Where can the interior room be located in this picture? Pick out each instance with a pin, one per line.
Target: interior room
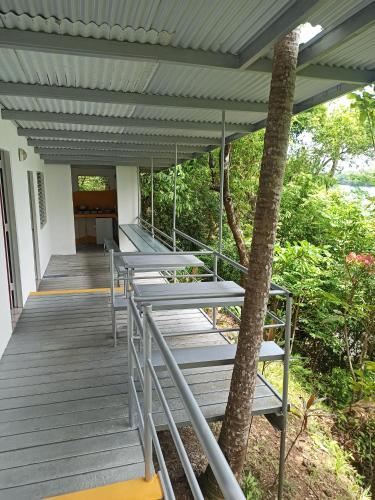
(95, 205)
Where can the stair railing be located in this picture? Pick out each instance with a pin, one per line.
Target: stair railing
(144, 328)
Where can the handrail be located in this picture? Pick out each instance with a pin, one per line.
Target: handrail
(220, 467)
(274, 288)
(223, 473)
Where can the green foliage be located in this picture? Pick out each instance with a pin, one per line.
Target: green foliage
(360, 179)
(364, 102)
(251, 488)
(333, 323)
(92, 183)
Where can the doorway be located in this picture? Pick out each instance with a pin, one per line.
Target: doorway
(9, 235)
(34, 227)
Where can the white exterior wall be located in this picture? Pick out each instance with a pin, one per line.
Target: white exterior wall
(60, 209)
(127, 202)
(11, 142)
(57, 235)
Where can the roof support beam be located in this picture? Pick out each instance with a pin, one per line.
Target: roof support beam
(111, 153)
(80, 160)
(111, 146)
(129, 98)
(111, 49)
(288, 19)
(108, 49)
(344, 31)
(120, 138)
(114, 121)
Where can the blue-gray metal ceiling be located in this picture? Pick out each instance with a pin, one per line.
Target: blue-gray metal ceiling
(202, 56)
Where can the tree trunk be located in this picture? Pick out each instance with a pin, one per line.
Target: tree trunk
(333, 169)
(232, 219)
(229, 207)
(235, 429)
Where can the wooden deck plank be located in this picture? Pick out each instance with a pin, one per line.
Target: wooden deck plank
(64, 388)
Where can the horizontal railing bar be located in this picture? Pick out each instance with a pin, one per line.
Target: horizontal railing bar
(134, 254)
(176, 437)
(269, 326)
(168, 489)
(200, 332)
(274, 288)
(143, 221)
(266, 326)
(191, 276)
(220, 467)
(273, 316)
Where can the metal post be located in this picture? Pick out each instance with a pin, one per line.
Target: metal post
(113, 313)
(139, 194)
(147, 353)
(152, 198)
(130, 361)
(174, 202)
(222, 159)
(288, 322)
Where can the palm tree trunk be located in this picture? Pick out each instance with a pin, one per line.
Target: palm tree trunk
(235, 429)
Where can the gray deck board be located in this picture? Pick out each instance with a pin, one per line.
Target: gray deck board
(64, 388)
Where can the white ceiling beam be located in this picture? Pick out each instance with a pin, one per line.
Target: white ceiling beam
(326, 42)
(126, 153)
(129, 98)
(81, 46)
(112, 49)
(114, 121)
(82, 160)
(73, 145)
(121, 138)
(289, 18)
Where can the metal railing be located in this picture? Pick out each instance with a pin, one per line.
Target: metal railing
(143, 327)
(276, 322)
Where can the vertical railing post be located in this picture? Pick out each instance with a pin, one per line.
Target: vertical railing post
(221, 205)
(147, 350)
(130, 361)
(174, 207)
(152, 198)
(139, 194)
(113, 313)
(174, 201)
(288, 323)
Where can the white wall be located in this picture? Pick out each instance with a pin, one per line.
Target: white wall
(60, 209)
(127, 202)
(11, 142)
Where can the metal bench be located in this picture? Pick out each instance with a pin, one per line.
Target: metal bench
(142, 240)
(195, 357)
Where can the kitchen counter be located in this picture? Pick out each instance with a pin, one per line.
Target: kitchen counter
(96, 216)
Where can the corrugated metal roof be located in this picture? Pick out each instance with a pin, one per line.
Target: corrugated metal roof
(217, 26)
(330, 12)
(118, 130)
(358, 52)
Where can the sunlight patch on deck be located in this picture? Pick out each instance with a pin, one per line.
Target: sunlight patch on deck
(134, 489)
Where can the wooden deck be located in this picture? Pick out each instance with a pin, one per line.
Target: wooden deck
(64, 387)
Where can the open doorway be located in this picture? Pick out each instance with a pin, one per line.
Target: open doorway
(9, 235)
(95, 205)
(34, 227)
